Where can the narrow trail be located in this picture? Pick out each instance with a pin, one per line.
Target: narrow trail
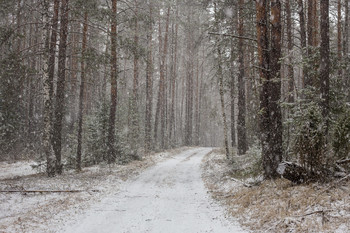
(166, 198)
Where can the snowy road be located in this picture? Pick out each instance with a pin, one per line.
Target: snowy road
(166, 198)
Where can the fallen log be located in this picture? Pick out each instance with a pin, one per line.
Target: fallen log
(293, 172)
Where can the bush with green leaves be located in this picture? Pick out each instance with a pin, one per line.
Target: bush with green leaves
(341, 138)
(12, 121)
(95, 136)
(310, 138)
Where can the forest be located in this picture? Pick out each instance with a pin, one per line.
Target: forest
(265, 83)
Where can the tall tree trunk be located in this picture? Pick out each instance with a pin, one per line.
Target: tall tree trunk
(290, 51)
(19, 21)
(275, 90)
(241, 127)
(52, 52)
(134, 132)
(81, 92)
(160, 111)
(47, 147)
(339, 38)
(264, 63)
(325, 61)
(302, 36)
(221, 87)
(346, 49)
(174, 76)
(149, 84)
(310, 38)
(196, 105)
(315, 24)
(161, 80)
(164, 73)
(75, 28)
(232, 86)
(114, 87)
(59, 111)
(222, 101)
(189, 80)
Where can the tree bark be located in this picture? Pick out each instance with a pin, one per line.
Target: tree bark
(149, 84)
(134, 131)
(114, 87)
(189, 80)
(221, 87)
(47, 147)
(275, 90)
(172, 128)
(290, 51)
(60, 98)
(346, 29)
(264, 64)
(52, 52)
(325, 59)
(302, 37)
(339, 38)
(81, 92)
(161, 80)
(241, 126)
(310, 39)
(163, 71)
(222, 102)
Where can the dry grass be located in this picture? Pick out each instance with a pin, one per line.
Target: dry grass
(279, 206)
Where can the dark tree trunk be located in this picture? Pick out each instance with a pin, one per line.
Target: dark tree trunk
(149, 85)
(275, 89)
(114, 87)
(232, 96)
(221, 87)
(172, 128)
(290, 50)
(264, 65)
(163, 71)
(47, 147)
(325, 60)
(52, 52)
(302, 36)
(160, 90)
(241, 127)
(310, 39)
(60, 99)
(81, 93)
(339, 39)
(189, 81)
(346, 49)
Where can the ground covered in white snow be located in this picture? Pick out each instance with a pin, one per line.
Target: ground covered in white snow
(169, 197)
(47, 212)
(278, 206)
(138, 197)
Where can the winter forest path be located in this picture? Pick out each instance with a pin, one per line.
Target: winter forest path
(168, 197)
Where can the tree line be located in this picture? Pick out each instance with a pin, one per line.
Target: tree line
(85, 82)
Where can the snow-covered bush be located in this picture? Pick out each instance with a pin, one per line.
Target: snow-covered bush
(95, 136)
(310, 138)
(341, 138)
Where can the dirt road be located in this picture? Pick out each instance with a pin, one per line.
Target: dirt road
(166, 198)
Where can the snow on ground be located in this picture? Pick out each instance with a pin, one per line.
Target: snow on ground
(138, 197)
(169, 197)
(45, 212)
(278, 206)
(15, 169)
